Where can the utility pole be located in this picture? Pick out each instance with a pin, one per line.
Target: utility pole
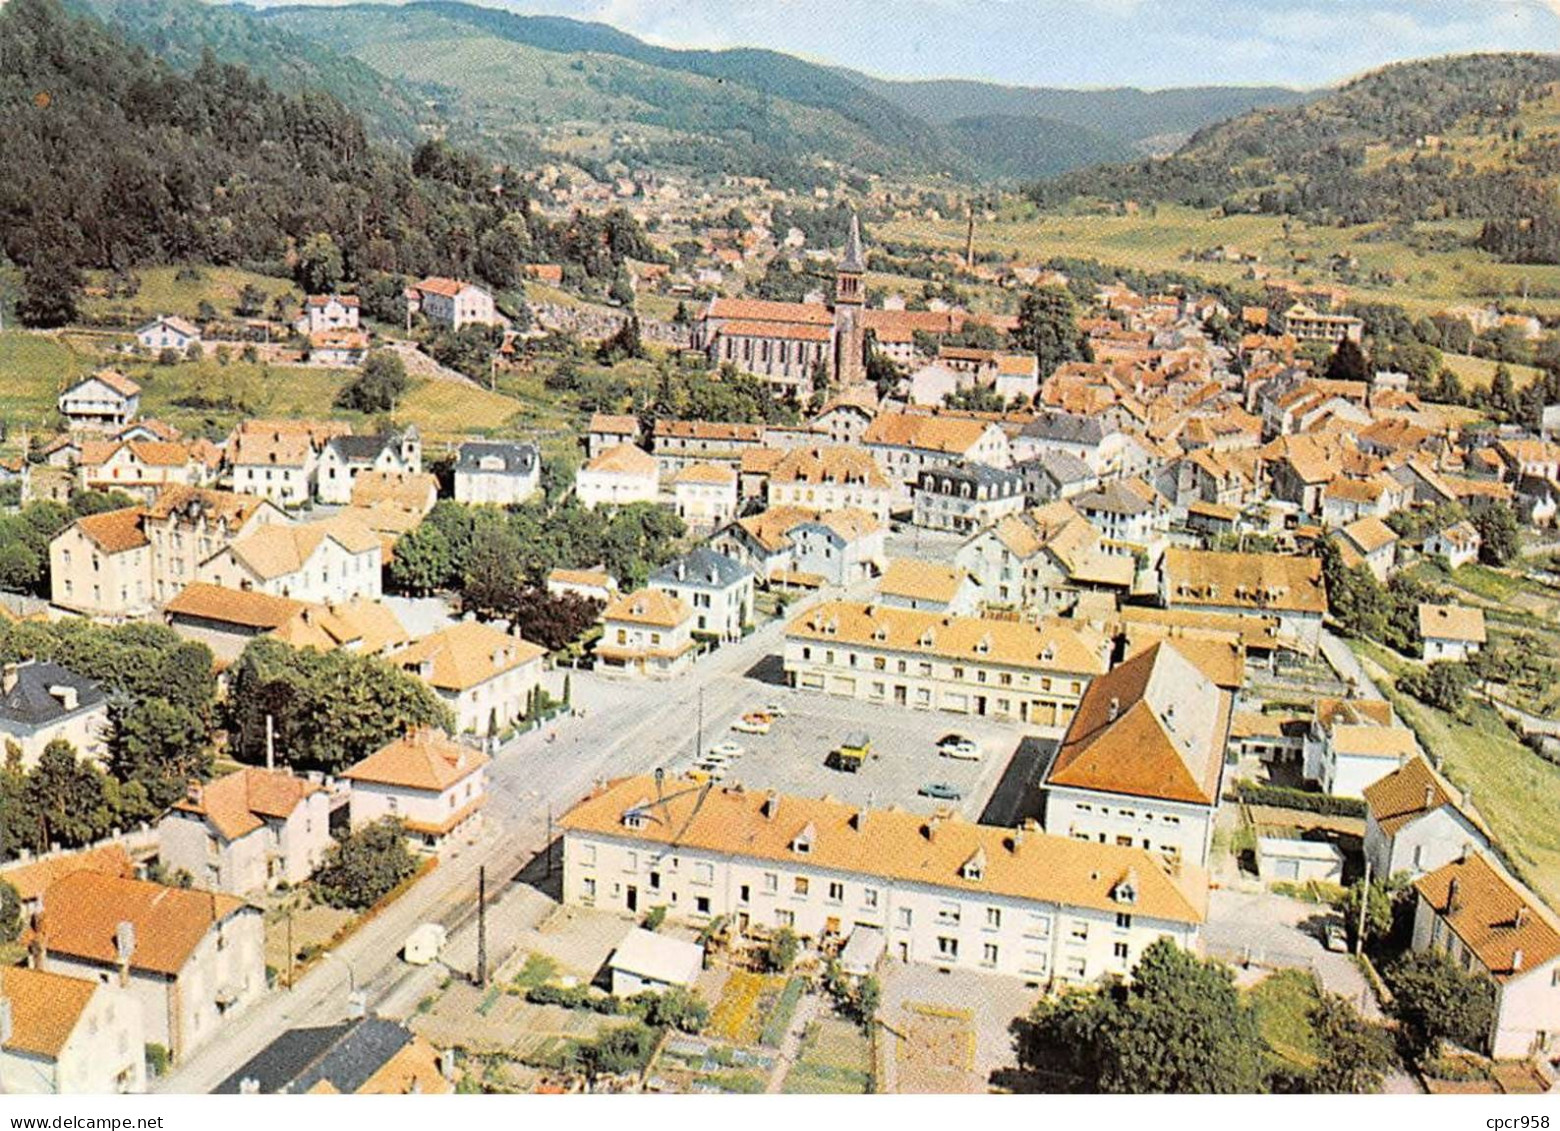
(290, 951)
(482, 927)
(547, 848)
(270, 742)
(698, 740)
(1359, 936)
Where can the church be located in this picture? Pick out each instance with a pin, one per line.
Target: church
(783, 342)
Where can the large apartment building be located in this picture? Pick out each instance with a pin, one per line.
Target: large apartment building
(940, 889)
(1033, 673)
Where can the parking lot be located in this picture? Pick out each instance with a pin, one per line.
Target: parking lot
(904, 757)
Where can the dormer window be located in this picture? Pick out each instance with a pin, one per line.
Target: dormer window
(983, 645)
(975, 867)
(928, 638)
(1125, 890)
(634, 817)
(802, 842)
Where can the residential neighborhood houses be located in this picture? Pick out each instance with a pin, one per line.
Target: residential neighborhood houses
(726, 647)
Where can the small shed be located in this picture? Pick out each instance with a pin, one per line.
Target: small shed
(862, 951)
(1298, 861)
(424, 944)
(647, 962)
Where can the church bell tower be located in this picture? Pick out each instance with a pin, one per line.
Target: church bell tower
(850, 340)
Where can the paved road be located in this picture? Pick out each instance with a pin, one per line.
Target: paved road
(628, 728)
(1341, 658)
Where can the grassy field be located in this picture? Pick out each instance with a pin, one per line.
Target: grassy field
(1158, 239)
(162, 292)
(1513, 790)
(34, 370)
(1282, 1002)
(1479, 370)
(836, 1059)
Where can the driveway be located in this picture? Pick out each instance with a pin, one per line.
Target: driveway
(1272, 930)
(1341, 658)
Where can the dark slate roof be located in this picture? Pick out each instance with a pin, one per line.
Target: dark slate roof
(347, 1055)
(519, 459)
(1066, 427)
(30, 703)
(853, 260)
(1064, 467)
(703, 568)
(977, 473)
(361, 449)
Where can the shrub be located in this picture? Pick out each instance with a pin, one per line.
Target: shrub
(366, 867)
(1282, 797)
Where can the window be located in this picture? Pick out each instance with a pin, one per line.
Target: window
(1120, 951)
(1080, 930)
(993, 917)
(588, 888)
(836, 892)
(784, 918)
(701, 904)
(771, 882)
(631, 862)
(869, 898)
(703, 873)
(743, 893)
(801, 885)
(1077, 967)
(1038, 926)
(948, 912)
(988, 954)
(1123, 921)
(905, 918)
(947, 947)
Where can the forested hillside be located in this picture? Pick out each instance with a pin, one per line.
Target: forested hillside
(180, 32)
(1470, 137)
(111, 159)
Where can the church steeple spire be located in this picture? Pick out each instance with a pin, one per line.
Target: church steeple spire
(854, 261)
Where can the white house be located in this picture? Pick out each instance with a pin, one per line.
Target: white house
(192, 960)
(69, 1036)
(106, 399)
(944, 891)
(434, 785)
(1142, 762)
(905, 444)
(501, 472)
(328, 312)
(453, 303)
(343, 458)
(484, 676)
(913, 583)
(966, 497)
(618, 476)
(1413, 824)
(168, 333)
(648, 632)
(827, 478)
(717, 588)
(248, 831)
(1490, 925)
(1451, 632)
(705, 495)
(41, 701)
(331, 561)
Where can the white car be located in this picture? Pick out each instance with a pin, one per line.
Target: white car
(757, 722)
(725, 751)
(959, 747)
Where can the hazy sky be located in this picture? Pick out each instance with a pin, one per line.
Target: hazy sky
(1086, 42)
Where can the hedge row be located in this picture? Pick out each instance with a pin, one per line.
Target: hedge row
(1282, 797)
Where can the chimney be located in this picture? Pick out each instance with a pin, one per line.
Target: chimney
(1516, 960)
(195, 792)
(12, 674)
(124, 947)
(1452, 894)
(771, 805)
(1115, 709)
(1429, 797)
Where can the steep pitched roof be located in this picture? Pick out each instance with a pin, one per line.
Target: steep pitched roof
(45, 1009)
(1256, 581)
(115, 532)
(466, 654)
(1025, 864)
(1409, 792)
(39, 693)
(31, 880)
(1495, 916)
(238, 803)
(83, 911)
(836, 465)
(423, 760)
(1153, 726)
(623, 459)
(648, 606)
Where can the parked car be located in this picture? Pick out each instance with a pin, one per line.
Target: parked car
(755, 722)
(774, 710)
(1334, 937)
(941, 791)
(727, 750)
(957, 746)
(714, 771)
